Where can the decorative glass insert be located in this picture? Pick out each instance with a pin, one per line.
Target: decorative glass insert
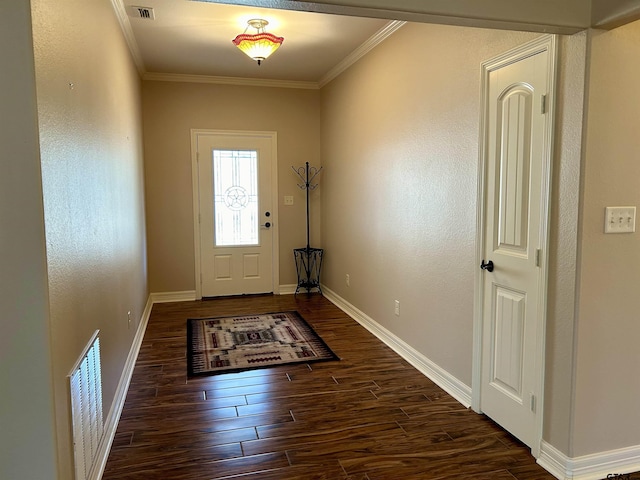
(235, 197)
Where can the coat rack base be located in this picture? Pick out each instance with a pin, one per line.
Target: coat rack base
(308, 266)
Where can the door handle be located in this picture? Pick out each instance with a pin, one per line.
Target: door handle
(487, 266)
(266, 225)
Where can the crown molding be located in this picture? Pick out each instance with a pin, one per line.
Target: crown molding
(375, 40)
(250, 82)
(618, 18)
(353, 57)
(125, 26)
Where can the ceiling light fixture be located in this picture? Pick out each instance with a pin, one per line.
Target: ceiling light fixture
(260, 45)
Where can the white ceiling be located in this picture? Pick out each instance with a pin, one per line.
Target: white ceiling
(190, 38)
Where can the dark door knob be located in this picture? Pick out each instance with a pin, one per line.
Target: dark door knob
(487, 266)
(267, 214)
(267, 225)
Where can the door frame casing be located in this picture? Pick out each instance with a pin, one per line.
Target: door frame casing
(546, 43)
(275, 248)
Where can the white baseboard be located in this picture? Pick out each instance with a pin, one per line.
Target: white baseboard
(166, 297)
(113, 417)
(589, 467)
(435, 373)
(287, 289)
(190, 295)
(554, 461)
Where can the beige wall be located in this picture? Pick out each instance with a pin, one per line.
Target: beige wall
(91, 155)
(171, 110)
(392, 173)
(400, 151)
(27, 421)
(563, 239)
(606, 413)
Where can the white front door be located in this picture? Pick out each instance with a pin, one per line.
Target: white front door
(235, 212)
(514, 238)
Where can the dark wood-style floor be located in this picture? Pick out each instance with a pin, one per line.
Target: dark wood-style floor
(370, 416)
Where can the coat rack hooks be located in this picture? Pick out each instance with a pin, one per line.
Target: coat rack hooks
(307, 174)
(308, 259)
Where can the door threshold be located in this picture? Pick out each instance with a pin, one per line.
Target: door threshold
(240, 295)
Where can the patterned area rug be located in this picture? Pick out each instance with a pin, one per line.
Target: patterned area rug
(232, 344)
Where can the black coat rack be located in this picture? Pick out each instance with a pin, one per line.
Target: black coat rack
(308, 259)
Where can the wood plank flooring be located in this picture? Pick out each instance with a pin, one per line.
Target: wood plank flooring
(369, 416)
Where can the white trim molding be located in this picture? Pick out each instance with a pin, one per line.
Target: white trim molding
(375, 40)
(442, 378)
(113, 417)
(249, 82)
(272, 137)
(372, 42)
(548, 44)
(589, 467)
(167, 297)
(287, 289)
(127, 32)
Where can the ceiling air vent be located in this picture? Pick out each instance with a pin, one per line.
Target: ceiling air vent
(143, 12)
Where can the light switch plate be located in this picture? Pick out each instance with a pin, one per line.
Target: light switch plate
(620, 220)
(288, 199)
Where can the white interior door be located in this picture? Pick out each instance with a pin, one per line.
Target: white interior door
(236, 216)
(517, 147)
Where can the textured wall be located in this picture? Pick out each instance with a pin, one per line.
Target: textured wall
(27, 421)
(563, 238)
(91, 153)
(607, 386)
(400, 149)
(171, 110)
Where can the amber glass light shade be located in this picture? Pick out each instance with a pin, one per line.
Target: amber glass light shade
(260, 45)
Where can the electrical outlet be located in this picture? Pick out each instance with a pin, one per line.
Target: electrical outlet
(288, 199)
(397, 308)
(348, 280)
